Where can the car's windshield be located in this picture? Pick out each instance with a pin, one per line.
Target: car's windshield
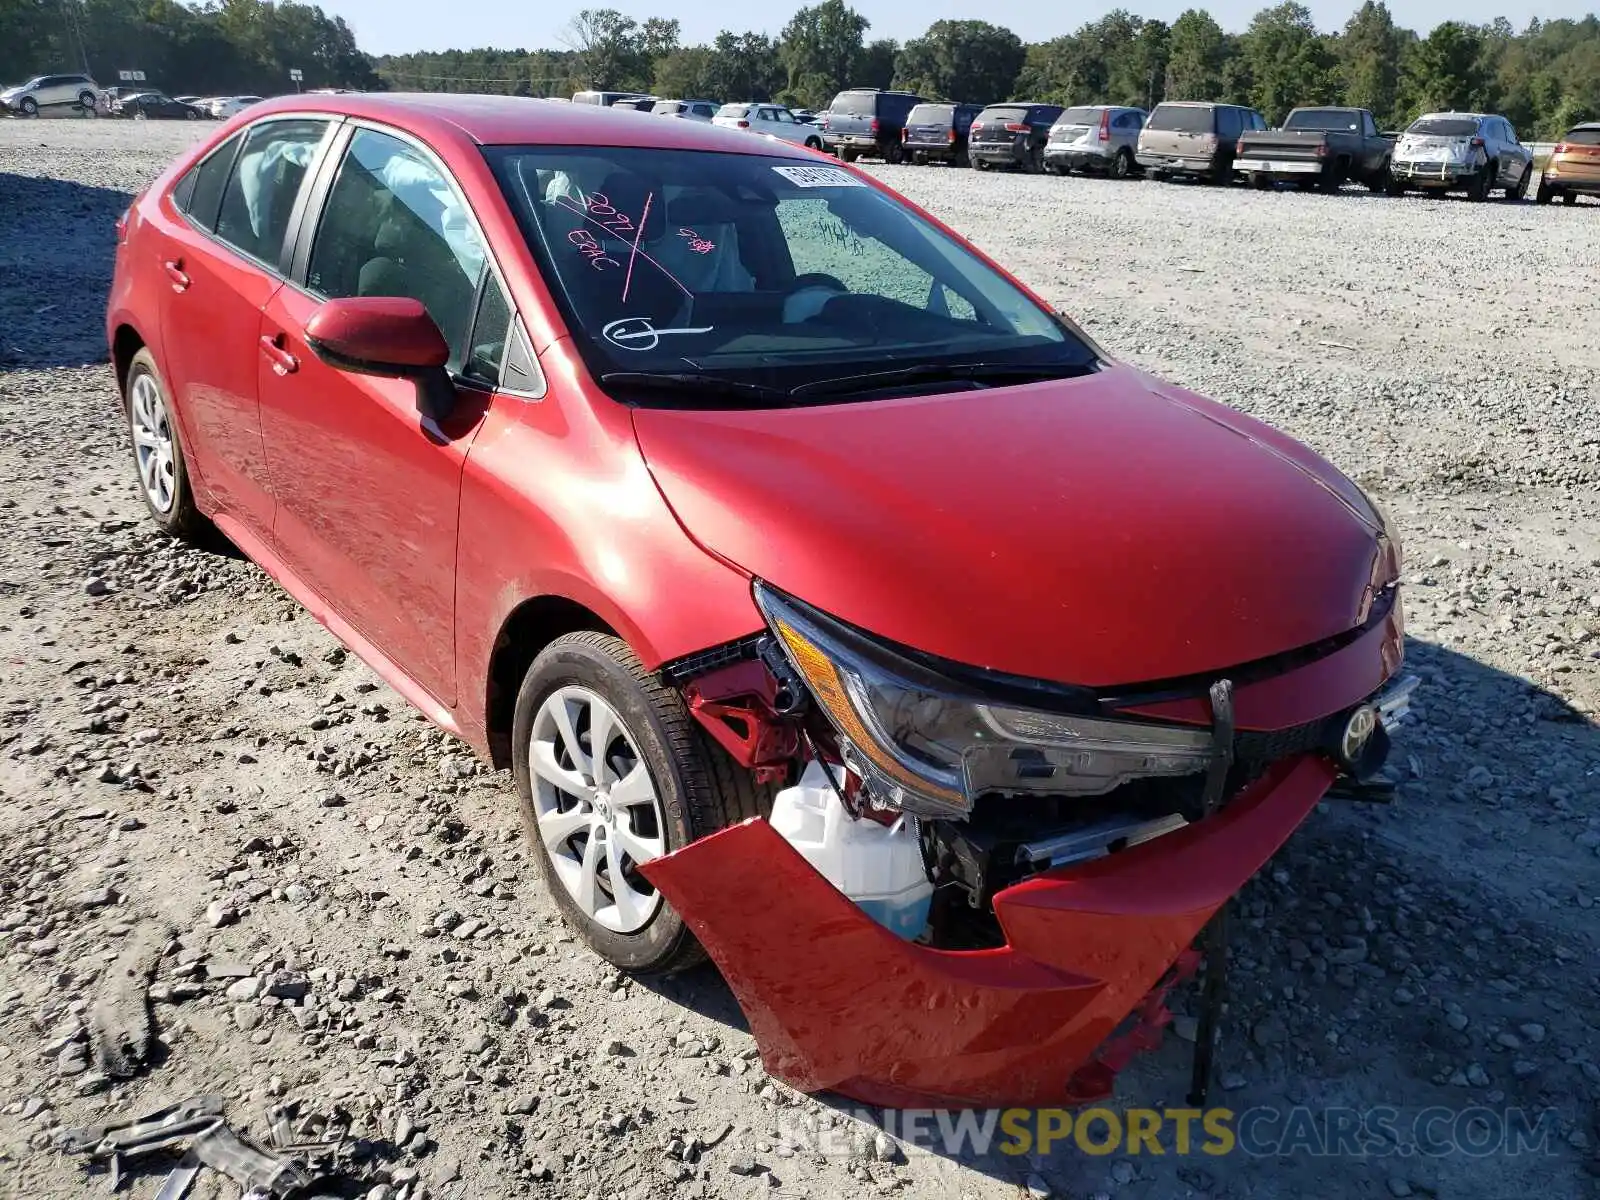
(1181, 118)
(1445, 126)
(757, 269)
(1324, 119)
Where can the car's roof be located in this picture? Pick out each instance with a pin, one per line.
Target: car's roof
(517, 120)
(1440, 116)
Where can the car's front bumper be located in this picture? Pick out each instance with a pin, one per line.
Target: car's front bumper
(1433, 174)
(838, 1003)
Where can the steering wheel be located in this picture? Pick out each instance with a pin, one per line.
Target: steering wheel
(807, 295)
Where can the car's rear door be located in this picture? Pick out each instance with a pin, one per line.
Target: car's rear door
(368, 490)
(222, 250)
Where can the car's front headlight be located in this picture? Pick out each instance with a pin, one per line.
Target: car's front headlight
(930, 737)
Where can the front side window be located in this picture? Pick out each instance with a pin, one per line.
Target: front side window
(395, 226)
(758, 270)
(267, 178)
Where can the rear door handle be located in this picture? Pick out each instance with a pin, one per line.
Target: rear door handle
(175, 272)
(282, 361)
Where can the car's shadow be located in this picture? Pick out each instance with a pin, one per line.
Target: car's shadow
(57, 249)
(1456, 693)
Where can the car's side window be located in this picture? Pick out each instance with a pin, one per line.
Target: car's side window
(486, 353)
(394, 225)
(200, 193)
(267, 177)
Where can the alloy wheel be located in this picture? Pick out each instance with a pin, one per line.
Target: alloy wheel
(596, 807)
(152, 443)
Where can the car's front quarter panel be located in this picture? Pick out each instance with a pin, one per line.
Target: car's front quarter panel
(556, 501)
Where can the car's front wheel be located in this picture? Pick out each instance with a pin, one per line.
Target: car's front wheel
(158, 456)
(613, 771)
(29, 106)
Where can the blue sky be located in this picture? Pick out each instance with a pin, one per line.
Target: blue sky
(396, 26)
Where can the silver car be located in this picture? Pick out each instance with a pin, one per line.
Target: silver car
(1096, 137)
(1470, 152)
(52, 92)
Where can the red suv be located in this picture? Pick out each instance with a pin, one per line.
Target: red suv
(657, 462)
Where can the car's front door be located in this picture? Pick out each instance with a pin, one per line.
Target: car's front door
(368, 490)
(223, 256)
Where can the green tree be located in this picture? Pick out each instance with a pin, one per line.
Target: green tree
(961, 60)
(822, 51)
(1444, 71)
(1197, 53)
(1369, 62)
(1290, 62)
(607, 45)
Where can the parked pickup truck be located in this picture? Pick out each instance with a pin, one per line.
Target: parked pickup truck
(1318, 147)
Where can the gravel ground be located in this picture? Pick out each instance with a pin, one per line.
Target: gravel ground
(355, 933)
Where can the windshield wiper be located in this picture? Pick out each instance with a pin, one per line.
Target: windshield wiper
(978, 372)
(704, 385)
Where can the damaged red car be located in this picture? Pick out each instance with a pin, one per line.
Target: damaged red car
(843, 612)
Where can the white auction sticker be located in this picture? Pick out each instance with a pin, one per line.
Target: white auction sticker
(818, 177)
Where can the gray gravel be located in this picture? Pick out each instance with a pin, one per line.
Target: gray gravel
(358, 935)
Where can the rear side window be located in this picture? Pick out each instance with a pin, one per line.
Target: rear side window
(1582, 137)
(1182, 118)
(395, 226)
(267, 177)
(200, 193)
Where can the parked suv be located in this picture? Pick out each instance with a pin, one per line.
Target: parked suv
(688, 110)
(1574, 166)
(869, 121)
(1195, 140)
(1012, 135)
(1470, 152)
(1096, 137)
(624, 451)
(51, 91)
(774, 120)
(938, 132)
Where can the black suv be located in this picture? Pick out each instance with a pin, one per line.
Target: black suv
(1012, 135)
(869, 121)
(938, 132)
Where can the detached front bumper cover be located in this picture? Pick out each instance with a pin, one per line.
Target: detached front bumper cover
(837, 1003)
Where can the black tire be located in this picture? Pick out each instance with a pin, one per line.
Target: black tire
(1393, 187)
(1478, 189)
(87, 100)
(29, 106)
(1122, 164)
(1378, 181)
(700, 788)
(1518, 191)
(1569, 198)
(1544, 194)
(979, 165)
(1261, 183)
(847, 154)
(191, 115)
(182, 519)
(1159, 176)
(894, 154)
(1331, 180)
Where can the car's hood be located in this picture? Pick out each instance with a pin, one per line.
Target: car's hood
(1100, 531)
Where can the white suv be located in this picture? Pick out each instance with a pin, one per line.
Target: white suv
(52, 91)
(774, 120)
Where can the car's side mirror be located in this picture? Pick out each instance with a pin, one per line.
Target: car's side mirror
(386, 335)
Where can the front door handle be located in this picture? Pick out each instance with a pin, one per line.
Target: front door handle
(176, 273)
(282, 361)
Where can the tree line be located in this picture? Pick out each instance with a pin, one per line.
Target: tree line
(232, 47)
(1544, 78)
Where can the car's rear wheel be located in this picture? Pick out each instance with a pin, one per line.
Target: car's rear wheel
(846, 154)
(190, 114)
(1478, 189)
(1122, 165)
(1519, 190)
(613, 771)
(979, 164)
(1569, 198)
(894, 153)
(158, 456)
(140, 115)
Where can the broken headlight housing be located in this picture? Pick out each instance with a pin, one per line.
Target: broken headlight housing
(929, 737)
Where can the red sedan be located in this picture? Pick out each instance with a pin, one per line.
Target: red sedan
(662, 464)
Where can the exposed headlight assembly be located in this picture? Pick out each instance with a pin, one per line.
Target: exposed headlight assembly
(929, 737)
